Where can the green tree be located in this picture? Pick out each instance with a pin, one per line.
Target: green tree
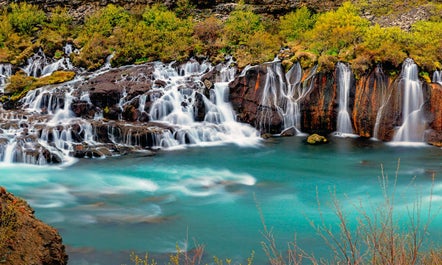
(25, 17)
(240, 25)
(294, 24)
(337, 30)
(425, 45)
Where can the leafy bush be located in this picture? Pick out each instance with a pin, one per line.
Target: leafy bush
(293, 25)
(384, 45)
(24, 17)
(425, 45)
(260, 47)
(207, 34)
(104, 21)
(240, 25)
(336, 30)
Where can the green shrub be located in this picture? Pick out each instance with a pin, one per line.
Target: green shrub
(294, 24)
(260, 47)
(104, 21)
(240, 25)
(61, 22)
(174, 35)
(25, 17)
(207, 34)
(335, 30)
(384, 45)
(94, 52)
(425, 45)
(20, 83)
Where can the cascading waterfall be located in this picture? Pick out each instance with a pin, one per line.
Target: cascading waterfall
(175, 105)
(437, 77)
(39, 65)
(178, 106)
(282, 95)
(344, 78)
(5, 73)
(383, 99)
(296, 92)
(413, 123)
(272, 97)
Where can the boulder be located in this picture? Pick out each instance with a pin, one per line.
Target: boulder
(315, 139)
(23, 238)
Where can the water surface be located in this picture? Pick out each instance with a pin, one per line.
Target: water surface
(105, 208)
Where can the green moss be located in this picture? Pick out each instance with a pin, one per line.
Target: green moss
(316, 139)
(20, 83)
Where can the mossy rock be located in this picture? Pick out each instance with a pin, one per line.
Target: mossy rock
(316, 139)
(20, 83)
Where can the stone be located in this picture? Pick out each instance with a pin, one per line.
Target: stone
(25, 239)
(315, 139)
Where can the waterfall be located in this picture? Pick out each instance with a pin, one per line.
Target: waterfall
(383, 99)
(413, 123)
(271, 103)
(437, 77)
(39, 65)
(282, 96)
(9, 153)
(5, 73)
(177, 106)
(296, 92)
(344, 79)
(179, 101)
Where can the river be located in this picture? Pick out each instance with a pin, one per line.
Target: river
(106, 208)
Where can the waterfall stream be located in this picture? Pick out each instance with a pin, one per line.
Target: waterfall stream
(176, 106)
(437, 77)
(413, 123)
(344, 122)
(5, 73)
(283, 94)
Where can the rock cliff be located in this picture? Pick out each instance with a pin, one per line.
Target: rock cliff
(376, 102)
(80, 8)
(25, 239)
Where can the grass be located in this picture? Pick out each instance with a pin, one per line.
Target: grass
(8, 227)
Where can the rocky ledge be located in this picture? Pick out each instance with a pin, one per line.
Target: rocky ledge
(23, 238)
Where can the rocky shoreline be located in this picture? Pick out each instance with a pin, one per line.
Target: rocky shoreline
(24, 238)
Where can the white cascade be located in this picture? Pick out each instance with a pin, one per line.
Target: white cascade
(437, 77)
(413, 122)
(296, 92)
(5, 73)
(176, 104)
(39, 65)
(9, 153)
(177, 111)
(384, 96)
(343, 125)
(272, 98)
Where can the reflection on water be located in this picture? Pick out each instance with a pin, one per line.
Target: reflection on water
(106, 208)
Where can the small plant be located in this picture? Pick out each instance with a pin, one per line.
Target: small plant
(8, 227)
(376, 240)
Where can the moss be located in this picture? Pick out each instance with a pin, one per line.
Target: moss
(20, 83)
(316, 139)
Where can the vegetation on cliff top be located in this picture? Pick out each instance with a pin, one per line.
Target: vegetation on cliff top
(156, 33)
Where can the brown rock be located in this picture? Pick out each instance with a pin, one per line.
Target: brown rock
(25, 239)
(372, 93)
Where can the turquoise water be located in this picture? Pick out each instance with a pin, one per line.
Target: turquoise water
(105, 208)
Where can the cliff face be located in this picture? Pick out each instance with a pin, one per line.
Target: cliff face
(80, 8)
(25, 239)
(376, 102)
